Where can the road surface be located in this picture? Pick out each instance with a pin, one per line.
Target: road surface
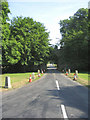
(52, 96)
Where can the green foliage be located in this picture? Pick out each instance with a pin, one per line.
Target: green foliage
(89, 39)
(5, 29)
(24, 42)
(32, 40)
(53, 54)
(74, 43)
(5, 11)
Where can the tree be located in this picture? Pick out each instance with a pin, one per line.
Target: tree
(75, 40)
(30, 44)
(53, 54)
(88, 40)
(5, 30)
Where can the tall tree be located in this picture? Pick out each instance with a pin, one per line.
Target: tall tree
(75, 40)
(27, 44)
(5, 30)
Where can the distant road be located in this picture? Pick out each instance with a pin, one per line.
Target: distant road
(52, 96)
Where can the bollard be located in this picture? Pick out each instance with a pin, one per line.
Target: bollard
(74, 77)
(76, 72)
(33, 75)
(8, 82)
(69, 71)
(30, 80)
(66, 72)
(38, 71)
(42, 71)
(39, 75)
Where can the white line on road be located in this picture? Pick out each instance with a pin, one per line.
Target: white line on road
(57, 85)
(64, 111)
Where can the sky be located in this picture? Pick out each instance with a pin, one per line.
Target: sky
(48, 12)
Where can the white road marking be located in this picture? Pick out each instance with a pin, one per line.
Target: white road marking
(57, 85)
(64, 111)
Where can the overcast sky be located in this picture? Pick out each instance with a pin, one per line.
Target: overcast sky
(48, 12)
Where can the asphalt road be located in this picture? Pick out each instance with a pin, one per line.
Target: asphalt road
(52, 96)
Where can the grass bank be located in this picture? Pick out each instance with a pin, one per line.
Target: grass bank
(17, 79)
(83, 78)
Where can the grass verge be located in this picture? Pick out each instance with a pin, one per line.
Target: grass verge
(83, 78)
(17, 80)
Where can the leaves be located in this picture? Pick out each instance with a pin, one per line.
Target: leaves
(74, 43)
(24, 42)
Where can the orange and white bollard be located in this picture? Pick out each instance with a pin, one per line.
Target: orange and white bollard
(74, 77)
(66, 73)
(39, 75)
(42, 71)
(30, 80)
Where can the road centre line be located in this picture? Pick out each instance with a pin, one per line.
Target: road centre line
(64, 111)
(57, 85)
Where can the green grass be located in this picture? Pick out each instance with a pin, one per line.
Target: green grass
(82, 78)
(18, 79)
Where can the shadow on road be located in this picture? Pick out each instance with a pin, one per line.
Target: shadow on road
(70, 97)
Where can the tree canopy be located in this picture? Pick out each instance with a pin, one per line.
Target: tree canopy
(4, 25)
(74, 42)
(24, 42)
